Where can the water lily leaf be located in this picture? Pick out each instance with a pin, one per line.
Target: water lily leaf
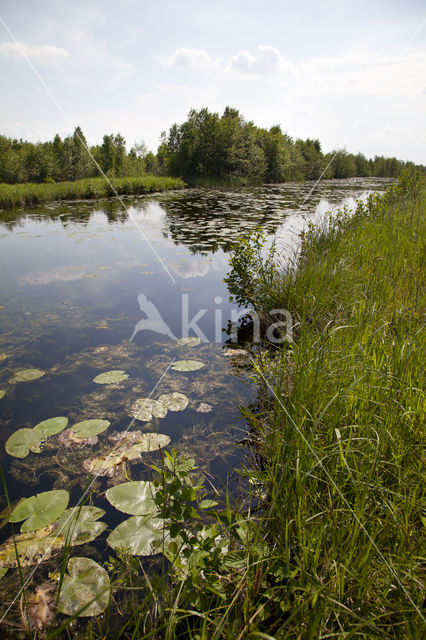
(31, 547)
(20, 443)
(79, 525)
(26, 375)
(40, 510)
(173, 401)
(68, 439)
(145, 408)
(190, 341)
(109, 465)
(85, 589)
(2, 393)
(88, 428)
(135, 498)
(3, 570)
(138, 536)
(111, 377)
(52, 426)
(186, 365)
(3, 356)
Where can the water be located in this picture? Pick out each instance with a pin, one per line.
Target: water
(71, 275)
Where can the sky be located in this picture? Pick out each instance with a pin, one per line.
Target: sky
(351, 73)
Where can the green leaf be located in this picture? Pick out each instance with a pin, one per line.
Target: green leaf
(173, 401)
(40, 510)
(31, 548)
(3, 570)
(135, 498)
(20, 443)
(85, 589)
(208, 504)
(78, 525)
(138, 536)
(111, 377)
(88, 428)
(25, 375)
(145, 408)
(52, 426)
(2, 393)
(187, 365)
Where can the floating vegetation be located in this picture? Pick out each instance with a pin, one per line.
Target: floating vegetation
(52, 426)
(111, 377)
(135, 498)
(40, 510)
(128, 451)
(138, 536)
(204, 407)
(173, 401)
(87, 428)
(20, 443)
(26, 375)
(31, 548)
(187, 365)
(3, 356)
(68, 439)
(2, 393)
(85, 589)
(79, 525)
(145, 409)
(234, 352)
(190, 341)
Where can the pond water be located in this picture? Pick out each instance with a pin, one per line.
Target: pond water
(89, 287)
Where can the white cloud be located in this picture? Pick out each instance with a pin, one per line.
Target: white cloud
(40, 54)
(184, 58)
(267, 60)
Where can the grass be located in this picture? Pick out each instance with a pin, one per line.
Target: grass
(26, 194)
(341, 438)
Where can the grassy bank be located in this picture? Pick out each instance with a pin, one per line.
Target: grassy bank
(26, 194)
(341, 438)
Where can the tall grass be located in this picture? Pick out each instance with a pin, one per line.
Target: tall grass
(26, 194)
(342, 435)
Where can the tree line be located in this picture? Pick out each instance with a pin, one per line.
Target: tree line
(206, 147)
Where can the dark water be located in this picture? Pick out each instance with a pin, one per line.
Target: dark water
(70, 279)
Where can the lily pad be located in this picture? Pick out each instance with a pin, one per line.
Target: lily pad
(88, 428)
(187, 365)
(173, 401)
(31, 548)
(79, 525)
(109, 465)
(190, 341)
(52, 426)
(68, 439)
(135, 498)
(145, 408)
(111, 377)
(40, 510)
(138, 536)
(3, 570)
(204, 407)
(20, 443)
(85, 589)
(2, 393)
(26, 375)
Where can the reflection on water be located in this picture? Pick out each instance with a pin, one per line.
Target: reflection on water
(70, 279)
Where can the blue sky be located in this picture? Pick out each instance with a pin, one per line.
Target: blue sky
(350, 73)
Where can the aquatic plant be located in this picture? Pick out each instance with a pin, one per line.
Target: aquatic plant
(87, 428)
(111, 377)
(85, 590)
(190, 341)
(22, 441)
(138, 536)
(26, 375)
(187, 365)
(52, 426)
(135, 498)
(40, 510)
